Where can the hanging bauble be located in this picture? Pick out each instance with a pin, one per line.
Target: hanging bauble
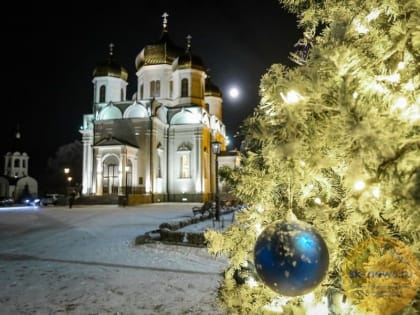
(291, 257)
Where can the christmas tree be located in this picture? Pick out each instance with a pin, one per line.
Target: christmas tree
(332, 157)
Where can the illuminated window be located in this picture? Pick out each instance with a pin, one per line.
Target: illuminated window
(184, 88)
(102, 91)
(185, 166)
(155, 88)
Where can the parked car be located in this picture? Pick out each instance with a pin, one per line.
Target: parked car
(51, 199)
(31, 201)
(6, 201)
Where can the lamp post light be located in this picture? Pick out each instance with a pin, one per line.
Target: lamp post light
(215, 147)
(68, 177)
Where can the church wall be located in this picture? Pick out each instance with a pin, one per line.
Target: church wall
(195, 86)
(113, 88)
(215, 106)
(206, 164)
(184, 140)
(162, 73)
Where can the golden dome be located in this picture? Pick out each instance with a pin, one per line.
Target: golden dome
(164, 51)
(188, 60)
(110, 68)
(211, 89)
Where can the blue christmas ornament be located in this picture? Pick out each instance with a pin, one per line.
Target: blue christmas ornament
(291, 257)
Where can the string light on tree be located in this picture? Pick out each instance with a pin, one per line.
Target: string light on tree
(291, 97)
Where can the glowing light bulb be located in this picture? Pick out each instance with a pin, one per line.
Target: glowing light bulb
(409, 86)
(411, 114)
(251, 282)
(258, 228)
(359, 185)
(376, 192)
(373, 15)
(400, 103)
(392, 78)
(291, 97)
(260, 208)
(360, 28)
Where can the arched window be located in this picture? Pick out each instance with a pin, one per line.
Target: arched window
(155, 88)
(102, 91)
(184, 88)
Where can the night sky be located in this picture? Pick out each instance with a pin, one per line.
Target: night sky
(50, 52)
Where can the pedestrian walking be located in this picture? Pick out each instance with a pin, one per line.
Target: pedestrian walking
(71, 199)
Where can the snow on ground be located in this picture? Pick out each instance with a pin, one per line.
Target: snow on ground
(83, 261)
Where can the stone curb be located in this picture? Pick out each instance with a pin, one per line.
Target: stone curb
(168, 232)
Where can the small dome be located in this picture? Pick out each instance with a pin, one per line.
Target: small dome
(189, 61)
(211, 89)
(110, 68)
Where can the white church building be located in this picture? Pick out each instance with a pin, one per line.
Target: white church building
(157, 144)
(15, 182)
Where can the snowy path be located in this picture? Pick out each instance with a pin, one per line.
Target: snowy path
(83, 261)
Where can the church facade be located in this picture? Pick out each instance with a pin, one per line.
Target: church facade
(157, 145)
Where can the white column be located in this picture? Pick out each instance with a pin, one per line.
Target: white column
(87, 171)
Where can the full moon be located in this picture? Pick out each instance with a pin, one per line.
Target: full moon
(234, 92)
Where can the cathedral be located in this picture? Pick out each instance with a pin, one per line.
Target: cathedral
(157, 144)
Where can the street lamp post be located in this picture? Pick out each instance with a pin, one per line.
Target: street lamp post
(215, 147)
